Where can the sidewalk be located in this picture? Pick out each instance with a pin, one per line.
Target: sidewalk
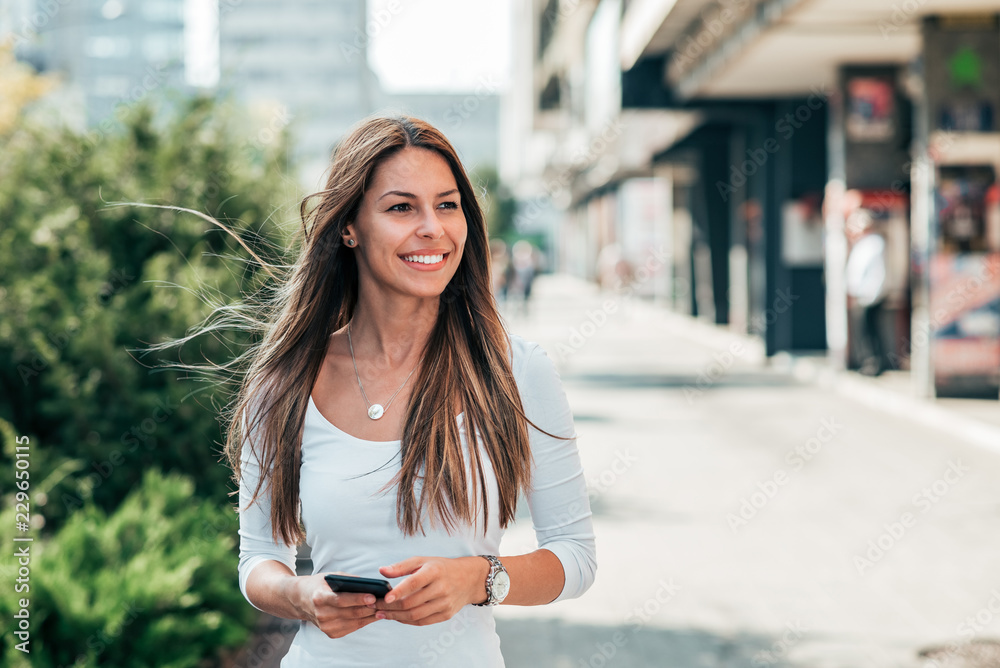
(753, 513)
(977, 420)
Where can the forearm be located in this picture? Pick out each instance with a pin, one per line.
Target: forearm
(272, 587)
(536, 578)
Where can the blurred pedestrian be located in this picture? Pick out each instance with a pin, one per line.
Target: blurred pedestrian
(499, 261)
(521, 274)
(395, 258)
(865, 276)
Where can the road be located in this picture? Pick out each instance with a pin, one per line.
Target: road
(746, 518)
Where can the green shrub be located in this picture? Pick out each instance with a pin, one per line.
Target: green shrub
(152, 585)
(82, 283)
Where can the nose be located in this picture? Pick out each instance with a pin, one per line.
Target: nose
(430, 227)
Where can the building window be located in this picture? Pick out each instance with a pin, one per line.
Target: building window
(550, 97)
(107, 47)
(163, 46)
(110, 86)
(163, 11)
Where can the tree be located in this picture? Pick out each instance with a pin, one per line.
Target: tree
(82, 281)
(498, 204)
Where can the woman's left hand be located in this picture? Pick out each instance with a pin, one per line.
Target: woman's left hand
(435, 590)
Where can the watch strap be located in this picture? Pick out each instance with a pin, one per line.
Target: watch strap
(495, 567)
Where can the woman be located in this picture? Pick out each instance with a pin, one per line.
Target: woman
(389, 404)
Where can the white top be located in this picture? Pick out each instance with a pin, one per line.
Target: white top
(353, 529)
(865, 272)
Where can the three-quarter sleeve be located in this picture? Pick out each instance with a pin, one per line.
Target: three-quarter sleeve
(256, 542)
(558, 501)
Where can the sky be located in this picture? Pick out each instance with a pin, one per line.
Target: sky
(414, 45)
(439, 45)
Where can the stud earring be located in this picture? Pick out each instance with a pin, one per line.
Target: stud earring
(350, 242)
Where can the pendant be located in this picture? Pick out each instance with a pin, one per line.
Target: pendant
(376, 411)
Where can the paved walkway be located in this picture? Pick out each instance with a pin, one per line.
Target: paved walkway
(750, 514)
(756, 516)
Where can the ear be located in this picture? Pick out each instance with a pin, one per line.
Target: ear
(347, 233)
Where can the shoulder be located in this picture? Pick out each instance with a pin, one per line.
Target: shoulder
(534, 371)
(522, 353)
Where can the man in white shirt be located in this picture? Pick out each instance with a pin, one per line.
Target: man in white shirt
(866, 284)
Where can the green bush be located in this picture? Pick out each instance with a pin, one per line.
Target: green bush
(82, 283)
(152, 585)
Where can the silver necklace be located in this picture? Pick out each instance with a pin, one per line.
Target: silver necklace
(375, 411)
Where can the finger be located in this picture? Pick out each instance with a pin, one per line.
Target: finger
(420, 615)
(410, 601)
(353, 599)
(407, 587)
(401, 568)
(360, 613)
(432, 619)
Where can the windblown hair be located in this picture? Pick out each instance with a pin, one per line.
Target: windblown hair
(465, 368)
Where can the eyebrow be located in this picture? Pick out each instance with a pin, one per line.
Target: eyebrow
(412, 196)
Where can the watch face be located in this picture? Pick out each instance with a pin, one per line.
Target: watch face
(501, 585)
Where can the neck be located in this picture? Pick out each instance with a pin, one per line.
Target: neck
(391, 330)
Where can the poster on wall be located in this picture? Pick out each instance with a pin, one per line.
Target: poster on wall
(962, 207)
(965, 281)
(965, 315)
(870, 109)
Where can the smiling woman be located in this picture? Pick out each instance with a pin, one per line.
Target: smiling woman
(393, 284)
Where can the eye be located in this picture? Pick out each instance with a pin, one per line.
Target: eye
(395, 207)
(450, 205)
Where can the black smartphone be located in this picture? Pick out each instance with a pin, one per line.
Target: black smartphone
(355, 585)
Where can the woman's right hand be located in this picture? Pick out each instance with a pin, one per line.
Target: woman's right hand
(336, 614)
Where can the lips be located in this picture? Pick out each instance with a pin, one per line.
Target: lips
(425, 259)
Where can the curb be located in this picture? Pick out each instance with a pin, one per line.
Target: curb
(812, 370)
(915, 409)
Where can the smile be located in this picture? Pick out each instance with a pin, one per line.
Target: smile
(425, 261)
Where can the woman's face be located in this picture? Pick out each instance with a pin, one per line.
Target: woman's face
(410, 230)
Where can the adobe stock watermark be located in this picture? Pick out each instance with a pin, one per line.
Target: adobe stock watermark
(692, 47)
(797, 458)
(138, 435)
(783, 300)
(723, 361)
(459, 112)
(152, 78)
(902, 15)
(955, 652)
(758, 156)
(100, 641)
(714, 371)
(794, 631)
(432, 650)
(605, 651)
(266, 651)
(978, 622)
(895, 530)
(379, 21)
(597, 486)
(276, 123)
(117, 281)
(619, 466)
(554, 187)
(34, 22)
(597, 318)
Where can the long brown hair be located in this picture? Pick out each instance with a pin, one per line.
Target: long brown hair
(465, 368)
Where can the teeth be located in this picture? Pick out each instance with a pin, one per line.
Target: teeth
(424, 259)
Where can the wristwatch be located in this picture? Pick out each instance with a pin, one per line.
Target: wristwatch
(497, 581)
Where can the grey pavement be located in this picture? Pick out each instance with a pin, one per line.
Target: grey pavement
(754, 514)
